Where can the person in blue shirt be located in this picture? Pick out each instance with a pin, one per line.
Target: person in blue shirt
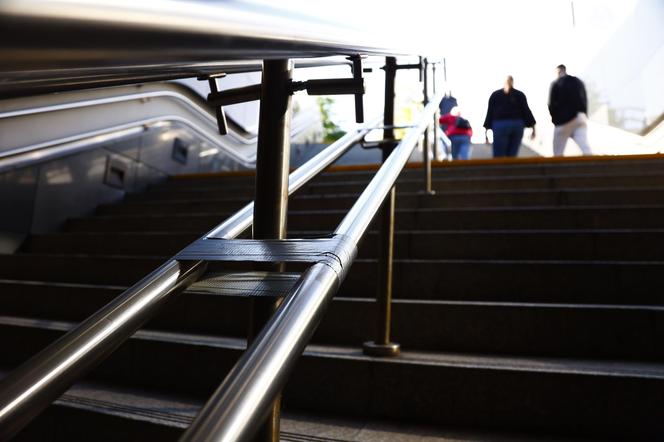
(507, 116)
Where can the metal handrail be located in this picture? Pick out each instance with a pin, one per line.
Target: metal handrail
(243, 400)
(31, 387)
(201, 34)
(21, 83)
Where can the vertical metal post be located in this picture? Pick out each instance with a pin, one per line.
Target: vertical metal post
(382, 346)
(436, 116)
(426, 156)
(271, 199)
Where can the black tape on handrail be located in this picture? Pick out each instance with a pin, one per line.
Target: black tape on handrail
(333, 250)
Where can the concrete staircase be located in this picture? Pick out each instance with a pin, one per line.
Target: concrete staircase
(527, 303)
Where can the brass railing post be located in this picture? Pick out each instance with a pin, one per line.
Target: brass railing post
(382, 346)
(271, 198)
(426, 154)
(436, 115)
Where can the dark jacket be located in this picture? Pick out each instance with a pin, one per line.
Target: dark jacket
(510, 106)
(567, 97)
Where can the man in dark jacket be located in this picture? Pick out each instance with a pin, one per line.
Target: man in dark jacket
(568, 106)
(507, 115)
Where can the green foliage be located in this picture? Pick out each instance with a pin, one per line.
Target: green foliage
(332, 131)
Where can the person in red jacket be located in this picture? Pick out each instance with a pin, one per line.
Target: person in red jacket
(459, 131)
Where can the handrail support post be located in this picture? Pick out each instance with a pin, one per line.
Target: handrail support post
(271, 196)
(382, 346)
(426, 154)
(436, 116)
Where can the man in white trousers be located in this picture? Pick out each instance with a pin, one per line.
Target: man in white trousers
(568, 106)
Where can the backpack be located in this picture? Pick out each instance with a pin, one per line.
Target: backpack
(462, 123)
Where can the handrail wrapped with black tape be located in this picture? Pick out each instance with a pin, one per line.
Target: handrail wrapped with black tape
(242, 401)
(26, 391)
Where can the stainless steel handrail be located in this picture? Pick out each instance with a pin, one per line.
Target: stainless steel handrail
(33, 33)
(56, 80)
(199, 35)
(30, 388)
(241, 402)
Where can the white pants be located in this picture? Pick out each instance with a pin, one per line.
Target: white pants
(577, 129)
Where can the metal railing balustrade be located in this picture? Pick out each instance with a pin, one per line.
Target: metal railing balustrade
(250, 391)
(240, 403)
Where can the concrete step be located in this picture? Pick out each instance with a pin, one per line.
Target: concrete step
(628, 332)
(167, 204)
(132, 414)
(488, 218)
(490, 170)
(560, 396)
(586, 181)
(639, 181)
(631, 244)
(441, 181)
(406, 199)
(495, 169)
(495, 280)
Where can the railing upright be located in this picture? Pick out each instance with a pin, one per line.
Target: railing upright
(271, 197)
(436, 115)
(426, 155)
(382, 346)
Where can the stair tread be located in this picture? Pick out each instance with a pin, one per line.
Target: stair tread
(398, 210)
(635, 189)
(178, 412)
(618, 368)
(340, 298)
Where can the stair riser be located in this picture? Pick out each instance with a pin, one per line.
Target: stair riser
(631, 182)
(408, 245)
(492, 329)
(545, 183)
(458, 182)
(650, 166)
(161, 203)
(564, 282)
(478, 280)
(507, 219)
(490, 171)
(198, 204)
(68, 423)
(440, 394)
(572, 218)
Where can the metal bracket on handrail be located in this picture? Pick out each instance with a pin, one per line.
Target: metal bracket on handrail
(420, 66)
(327, 86)
(332, 251)
(219, 111)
